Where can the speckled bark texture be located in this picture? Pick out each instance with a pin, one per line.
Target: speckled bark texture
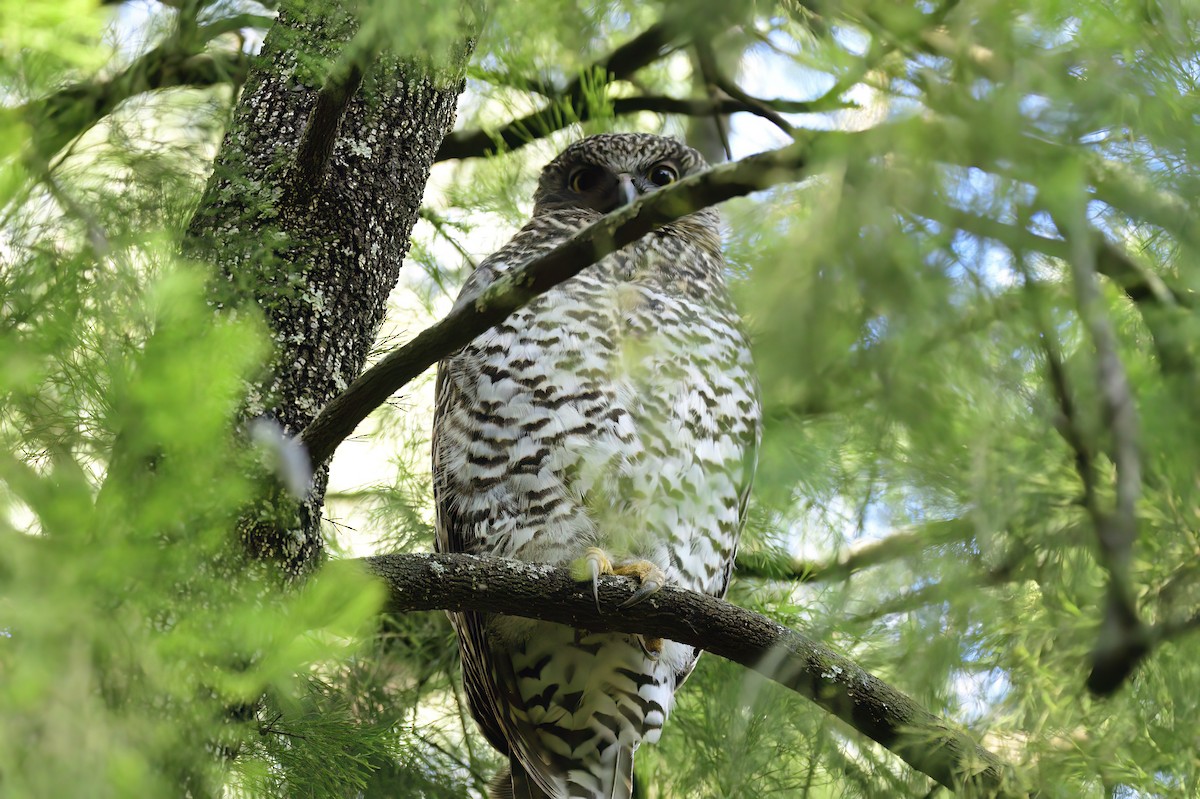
(532, 590)
(318, 253)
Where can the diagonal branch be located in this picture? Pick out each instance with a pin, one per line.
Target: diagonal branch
(339, 418)
(875, 709)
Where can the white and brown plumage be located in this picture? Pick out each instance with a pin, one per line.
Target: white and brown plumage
(612, 422)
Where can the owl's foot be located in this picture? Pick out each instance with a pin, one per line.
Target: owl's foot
(652, 647)
(650, 577)
(594, 563)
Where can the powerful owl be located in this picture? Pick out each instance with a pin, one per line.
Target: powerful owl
(611, 425)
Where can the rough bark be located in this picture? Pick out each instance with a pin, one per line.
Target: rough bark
(318, 246)
(836, 683)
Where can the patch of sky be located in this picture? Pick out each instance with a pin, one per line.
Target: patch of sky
(978, 692)
(769, 74)
(853, 40)
(137, 24)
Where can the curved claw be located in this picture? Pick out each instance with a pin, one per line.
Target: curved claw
(650, 585)
(651, 647)
(598, 564)
(595, 566)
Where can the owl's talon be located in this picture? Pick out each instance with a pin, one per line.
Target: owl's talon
(650, 577)
(597, 563)
(651, 647)
(644, 590)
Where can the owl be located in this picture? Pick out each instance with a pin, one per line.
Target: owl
(610, 426)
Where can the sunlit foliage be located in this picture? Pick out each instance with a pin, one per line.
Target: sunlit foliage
(993, 187)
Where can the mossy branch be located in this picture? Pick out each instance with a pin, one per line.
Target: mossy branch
(839, 685)
(609, 234)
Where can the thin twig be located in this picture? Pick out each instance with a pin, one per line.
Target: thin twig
(889, 548)
(754, 105)
(440, 225)
(1123, 640)
(706, 61)
(647, 47)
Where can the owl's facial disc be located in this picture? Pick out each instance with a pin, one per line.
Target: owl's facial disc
(609, 170)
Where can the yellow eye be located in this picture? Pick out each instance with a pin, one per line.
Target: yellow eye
(663, 175)
(585, 178)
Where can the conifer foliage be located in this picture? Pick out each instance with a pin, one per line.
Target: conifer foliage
(963, 235)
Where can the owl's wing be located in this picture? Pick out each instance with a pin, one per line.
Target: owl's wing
(448, 393)
(750, 441)
(492, 692)
(454, 379)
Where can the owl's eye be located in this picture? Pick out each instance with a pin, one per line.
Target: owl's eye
(663, 175)
(585, 178)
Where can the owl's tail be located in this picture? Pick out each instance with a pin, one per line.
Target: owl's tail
(515, 783)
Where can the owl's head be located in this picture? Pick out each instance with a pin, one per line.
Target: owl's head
(604, 172)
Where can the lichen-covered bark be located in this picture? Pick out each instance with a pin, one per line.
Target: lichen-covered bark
(319, 259)
(454, 581)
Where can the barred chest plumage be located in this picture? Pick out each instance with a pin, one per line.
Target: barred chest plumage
(616, 411)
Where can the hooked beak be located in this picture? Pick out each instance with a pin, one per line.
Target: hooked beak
(626, 191)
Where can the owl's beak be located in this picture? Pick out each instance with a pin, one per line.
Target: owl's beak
(626, 191)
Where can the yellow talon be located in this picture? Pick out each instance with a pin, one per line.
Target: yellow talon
(594, 563)
(651, 579)
(652, 647)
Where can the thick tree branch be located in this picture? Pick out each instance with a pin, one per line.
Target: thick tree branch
(875, 709)
(319, 272)
(339, 418)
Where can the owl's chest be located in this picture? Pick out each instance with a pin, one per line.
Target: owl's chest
(598, 342)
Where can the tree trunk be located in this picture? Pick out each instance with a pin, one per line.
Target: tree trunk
(308, 214)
